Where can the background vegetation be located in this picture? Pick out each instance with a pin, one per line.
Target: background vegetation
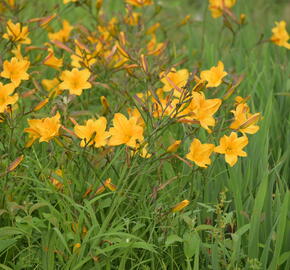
(238, 218)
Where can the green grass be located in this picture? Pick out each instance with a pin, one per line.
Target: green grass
(238, 218)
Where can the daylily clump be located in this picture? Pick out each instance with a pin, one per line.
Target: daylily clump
(146, 103)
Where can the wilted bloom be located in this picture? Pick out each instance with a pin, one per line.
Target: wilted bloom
(15, 70)
(173, 147)
(75, 81)
(125, 131)
(43, 129)
(108, 184)
(214, 75)
(280, 35)
(217, 6)
(17, 33)
(174, 80)
(139, 3)
(178, 207)
(93, 132)
(231, 146)
(63, 34)
(244, 120)
(6, 97)
(200, 153)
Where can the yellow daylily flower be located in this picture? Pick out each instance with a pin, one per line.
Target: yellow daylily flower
(202, 110)
(43, 129)
(280, 35)
(231, 146)
(174, 80)
(75, 81)
(217, 6)
(214, 75)
(93, 132)
(52, 86)
(6, 97)
(245, 121)
(63, 34)
(17, 33)
(15, 70)
(139, 3)
(125, 131)
(199, 153)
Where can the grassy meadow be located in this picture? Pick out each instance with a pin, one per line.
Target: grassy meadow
(143, 193)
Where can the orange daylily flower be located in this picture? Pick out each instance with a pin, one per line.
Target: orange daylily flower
(63, 34)
(6, 97)
(217, 6)
(15, 70)
(199, 153)
(93, 132)
(69, 1)
(17, 33)
(202, 109)
(139, 3)
(174, 80)
(52, 61)
(125, 131)
(214, 75)
(52, 86)
(82, 58)
(243, 119)
(231, 146)
(135, 113)
(280, 35)
(75, 81)
(43, 129)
